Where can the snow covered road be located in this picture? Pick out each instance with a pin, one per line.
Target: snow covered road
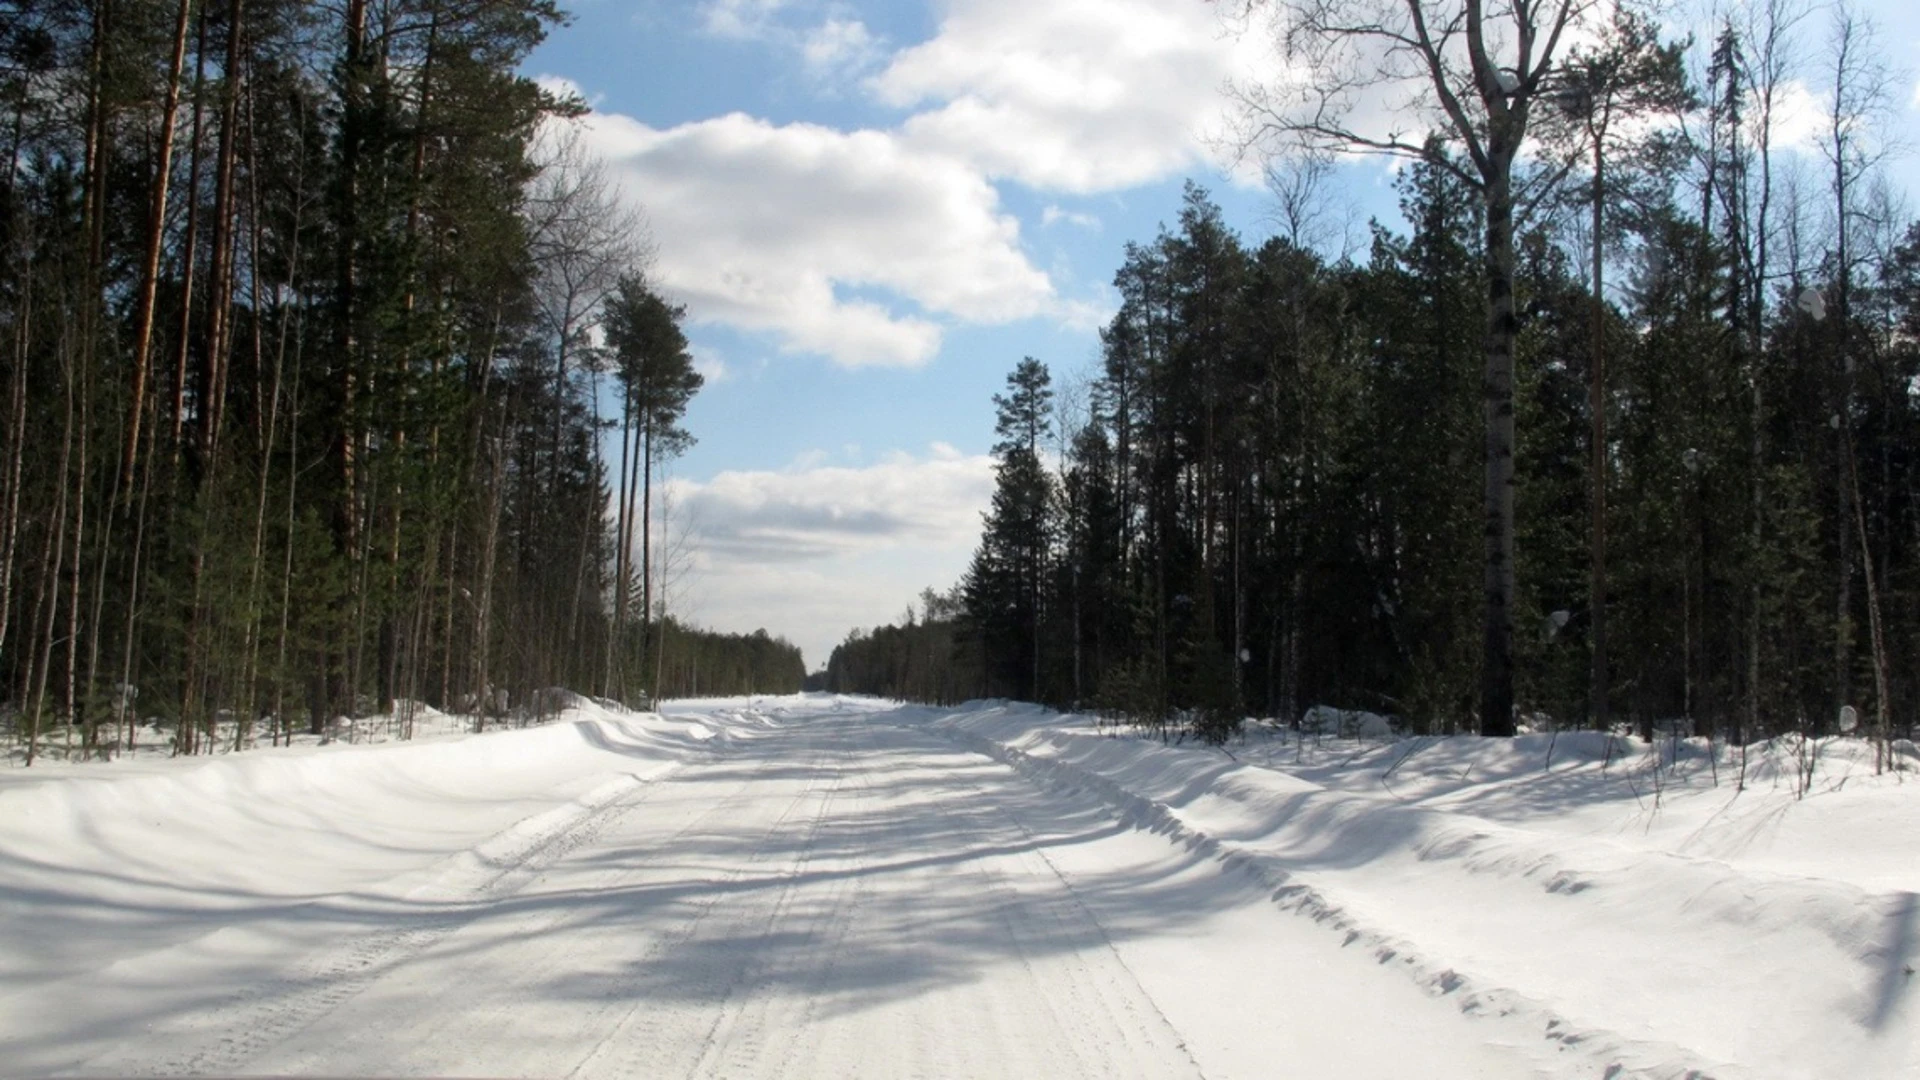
(830, 891)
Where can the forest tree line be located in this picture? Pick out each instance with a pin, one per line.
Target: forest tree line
(319, 327)
(705, 663)
(1270, 493)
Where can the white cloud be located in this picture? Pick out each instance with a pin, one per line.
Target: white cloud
(815, 550)
(1799, 116)
(563, 87)
(739, 19)
(811, 510)
(1053, 215)
(710, 364)
(1072, 95)
(864, 245)
(770, 227)
(839, 47)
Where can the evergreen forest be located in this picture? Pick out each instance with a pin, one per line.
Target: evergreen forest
(1270, 493)
(319, 329)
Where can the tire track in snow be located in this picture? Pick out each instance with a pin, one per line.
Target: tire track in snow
(748, 1018)
(762, 985)
(1049, 1011)
(1123, 996)
(625, 1050)
(1099, 1004)
(827, 943)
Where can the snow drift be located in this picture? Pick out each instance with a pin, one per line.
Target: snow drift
(1630, 900)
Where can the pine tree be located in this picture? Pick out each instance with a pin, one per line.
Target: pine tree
(656, 370)
(1007, 583)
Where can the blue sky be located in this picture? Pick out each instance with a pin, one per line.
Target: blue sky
(872, 211)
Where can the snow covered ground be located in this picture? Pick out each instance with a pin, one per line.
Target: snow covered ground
(814, 885)
(1636, 903)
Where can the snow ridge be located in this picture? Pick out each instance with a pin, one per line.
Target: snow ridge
(1384, 875)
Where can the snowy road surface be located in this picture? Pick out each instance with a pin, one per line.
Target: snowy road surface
(821, 892)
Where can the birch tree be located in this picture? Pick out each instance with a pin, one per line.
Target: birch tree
(1473, 72)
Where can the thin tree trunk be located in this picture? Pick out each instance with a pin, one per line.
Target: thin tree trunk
(1882, 680)
(220, 269)
(632, 507)
(1843, 318)
(105, 549)
(156, 230)
(345, 441)
(212, 379)
(387, 661)
(125, 694)
(483, 614)
(586, 571)
(490, 536)
(1756, 346)
(623, 556)
(1496, 665)
(70, 693)
(447, 624)
(16, 412)
(1597, 465)
(16, 451)
(646, 551)
(286, 564)
(270, 398)
(660, 660)
(47, 602)
(189, 260)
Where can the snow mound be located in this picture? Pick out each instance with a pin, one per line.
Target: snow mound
(1633, 899)
(115, 860)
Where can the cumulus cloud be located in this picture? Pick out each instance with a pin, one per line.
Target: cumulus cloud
(812, 510)
(1072, 95)
(773, 227)
(864, 245)
(815, 548)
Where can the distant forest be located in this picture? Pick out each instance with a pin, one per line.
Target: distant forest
(315, 321)
(1270, 493)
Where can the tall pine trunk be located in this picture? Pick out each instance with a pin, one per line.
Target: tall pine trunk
(1496, 671)
(1597, 453)
(156, 231)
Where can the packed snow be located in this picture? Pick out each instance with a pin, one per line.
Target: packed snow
(816, 885)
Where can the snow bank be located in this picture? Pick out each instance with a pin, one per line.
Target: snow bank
(1346, 723)
(1640, 915)
(111, 860)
